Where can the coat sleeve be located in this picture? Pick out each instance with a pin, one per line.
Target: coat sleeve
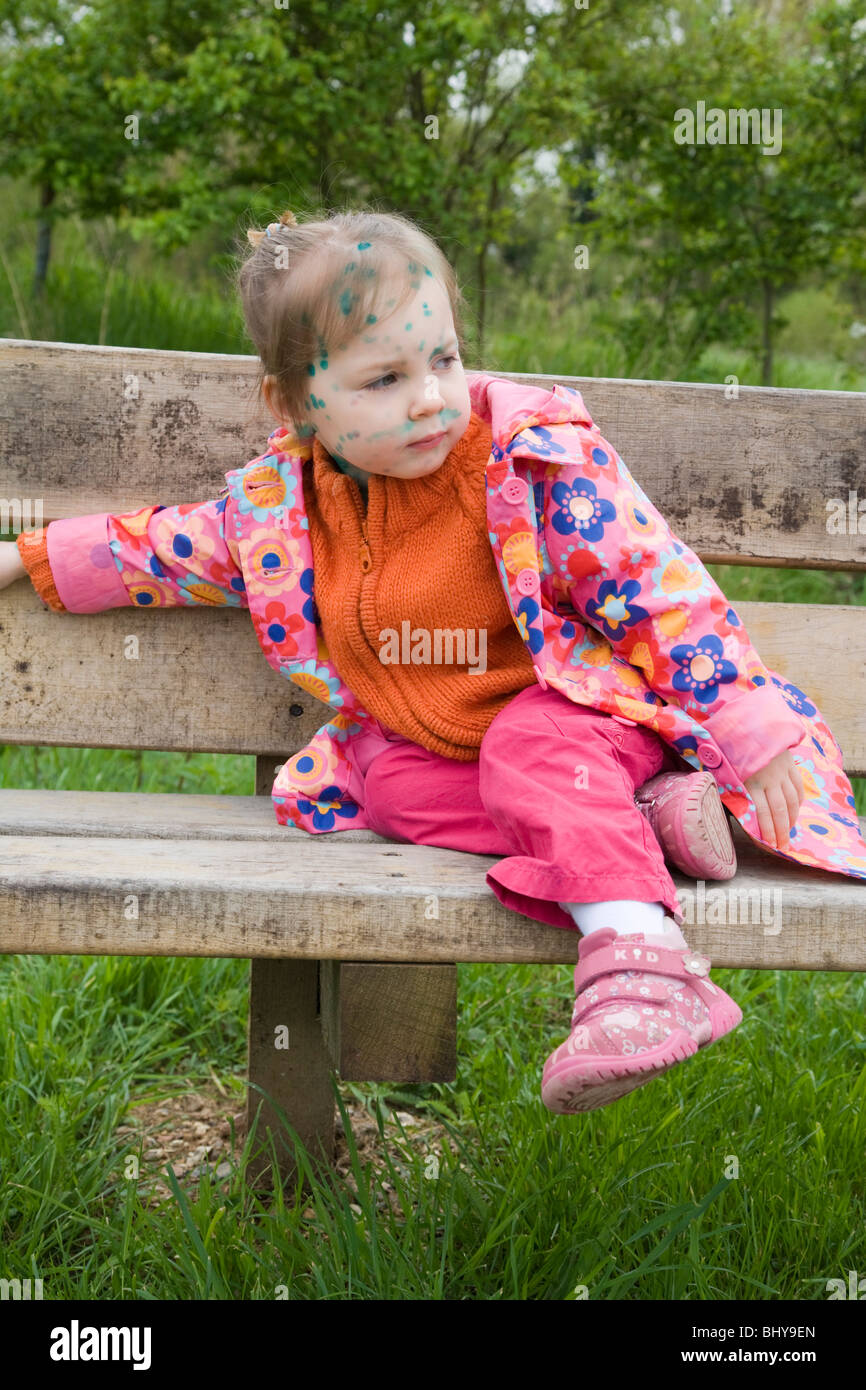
(628, 576)
(156, 557)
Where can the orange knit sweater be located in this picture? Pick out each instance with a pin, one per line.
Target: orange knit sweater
(419, 556)
(33, 549)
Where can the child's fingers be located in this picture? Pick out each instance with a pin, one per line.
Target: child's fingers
(765, 818)
(778, 808)
(794, 802)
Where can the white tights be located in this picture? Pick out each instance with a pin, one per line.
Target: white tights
(626, 917)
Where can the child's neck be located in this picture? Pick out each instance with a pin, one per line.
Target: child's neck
(351, 471)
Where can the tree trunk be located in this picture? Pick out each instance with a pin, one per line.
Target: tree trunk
(482, 297)
(43, 239)
(767, 337)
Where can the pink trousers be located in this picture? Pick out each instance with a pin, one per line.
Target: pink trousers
(552, 792)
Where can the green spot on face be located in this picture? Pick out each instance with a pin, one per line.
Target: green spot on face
(350, 267)
(316, 404)
(371, 318)
(364, 245)
(346, 301)
(427, 312)
(408, 327)
(324, 364)
(311, 370)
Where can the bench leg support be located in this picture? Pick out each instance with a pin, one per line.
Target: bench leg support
(289, 1061)
(390, 1022)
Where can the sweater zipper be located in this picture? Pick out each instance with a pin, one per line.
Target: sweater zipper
(364, 556)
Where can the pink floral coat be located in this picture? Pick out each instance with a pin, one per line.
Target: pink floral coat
(616, 612)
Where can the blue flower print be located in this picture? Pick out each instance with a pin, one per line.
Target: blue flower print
(340, 735)
(543, 442)
(800, 702)
(579, 508)
(614, 610)
(309, 610)
(327, 807)
(527, 612)
(702, 668)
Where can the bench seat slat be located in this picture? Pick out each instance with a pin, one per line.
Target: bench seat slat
(334, 897)
(152, 815)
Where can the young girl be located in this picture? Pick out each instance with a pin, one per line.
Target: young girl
(397, 461)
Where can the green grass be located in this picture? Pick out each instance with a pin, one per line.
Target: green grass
(637, 1200)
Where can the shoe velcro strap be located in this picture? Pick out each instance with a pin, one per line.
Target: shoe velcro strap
(657, 960)
(642, 988)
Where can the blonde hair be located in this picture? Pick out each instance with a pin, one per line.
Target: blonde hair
(308, 288)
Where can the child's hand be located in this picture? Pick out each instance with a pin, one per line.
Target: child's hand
(12, 567)
(778, 793)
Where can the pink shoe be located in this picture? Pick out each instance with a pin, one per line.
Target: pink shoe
(640, 1008)
(688, 819)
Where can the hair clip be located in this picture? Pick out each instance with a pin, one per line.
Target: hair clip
(274, 224)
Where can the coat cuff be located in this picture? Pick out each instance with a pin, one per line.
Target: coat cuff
(83, 564)
(33, 549)
(755, 727)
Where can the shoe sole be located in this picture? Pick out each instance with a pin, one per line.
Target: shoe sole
(576, 1084)
(696, 833)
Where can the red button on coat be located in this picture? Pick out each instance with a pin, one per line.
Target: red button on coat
(709, 755)
(527, 581)
(515, 490)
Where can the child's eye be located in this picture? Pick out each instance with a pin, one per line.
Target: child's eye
(377, 385)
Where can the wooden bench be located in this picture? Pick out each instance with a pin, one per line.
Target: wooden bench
(353, 939)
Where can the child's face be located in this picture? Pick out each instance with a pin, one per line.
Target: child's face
(398, 381)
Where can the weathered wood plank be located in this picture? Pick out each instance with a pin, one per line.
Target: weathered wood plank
(65, 679)
(370, 902)
(287, 1056)
(86, 429)
(390, 1022)
(154, 815)
(289, 1063)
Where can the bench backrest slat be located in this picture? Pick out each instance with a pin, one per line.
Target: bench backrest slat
(89, 429)
(198, 681)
